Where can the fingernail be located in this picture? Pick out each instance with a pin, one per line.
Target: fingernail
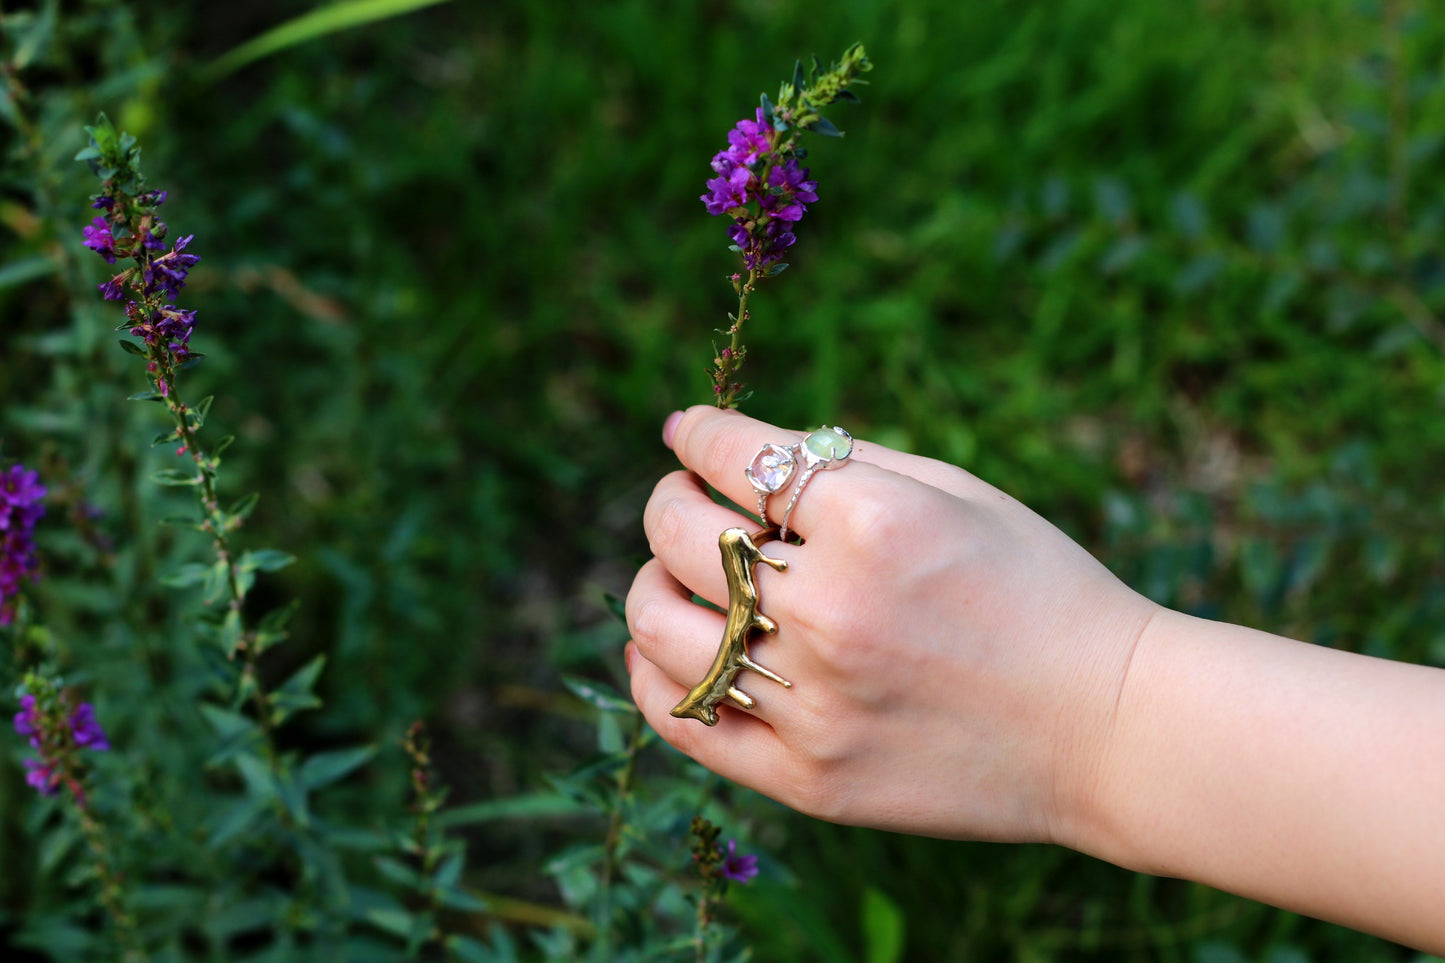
(629, 655)
(669, 427)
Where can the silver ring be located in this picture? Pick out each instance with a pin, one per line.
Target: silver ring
(771, 470)
(828, 447)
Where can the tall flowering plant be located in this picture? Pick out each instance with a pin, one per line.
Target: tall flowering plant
(761, 185)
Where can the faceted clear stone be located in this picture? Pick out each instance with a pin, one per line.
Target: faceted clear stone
(829, 444)
(771, 469)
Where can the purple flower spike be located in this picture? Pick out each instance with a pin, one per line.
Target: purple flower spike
(21, 496)
(739, 869)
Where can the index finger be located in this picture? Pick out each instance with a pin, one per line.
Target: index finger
(718, 444)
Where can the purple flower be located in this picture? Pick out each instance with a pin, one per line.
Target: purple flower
(87, 731)
(99, 239)
(112, 290)
(170, 269)
(27, 720)
(43, 777)
(21, 496)
(750, 140)
(57, 737)
(739, 869)
(789, 190)
(728, 191)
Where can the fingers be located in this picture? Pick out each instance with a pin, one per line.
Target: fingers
(673, 632)
(740, 747)
(683, 524)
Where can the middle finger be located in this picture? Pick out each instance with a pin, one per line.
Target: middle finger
(683, 524)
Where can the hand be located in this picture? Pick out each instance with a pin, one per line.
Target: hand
(956, 660)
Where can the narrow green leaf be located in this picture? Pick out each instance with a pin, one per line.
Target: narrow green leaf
(175, 477)
(454, 897)
(130, 347)
(146, 396)
(399, 872)
(825, 127)
(243, 506)
(598, 695)
(325, 768)
(235, 820)
(617, 605)
(189, 574)
(295, 695)
(265, 560)
(397, 922)
(164, 438)
(317, 23)
(531, 806)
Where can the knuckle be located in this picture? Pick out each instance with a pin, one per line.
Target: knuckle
(664, 523)
(645, 621)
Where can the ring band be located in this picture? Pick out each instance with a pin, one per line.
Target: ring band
(822, 449)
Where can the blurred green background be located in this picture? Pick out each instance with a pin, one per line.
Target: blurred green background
(1169, 272)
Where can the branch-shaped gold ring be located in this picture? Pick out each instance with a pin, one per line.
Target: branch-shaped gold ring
(740, 553)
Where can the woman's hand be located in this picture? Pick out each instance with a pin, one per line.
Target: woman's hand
(956, 660)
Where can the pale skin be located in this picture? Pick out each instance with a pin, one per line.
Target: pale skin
(962, 669)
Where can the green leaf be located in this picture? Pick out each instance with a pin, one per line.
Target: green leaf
(243, 506)
(189, 574)
(146, 396)
(531, 806)
(295, 695)
(825, 127)
(882, 928)
(30, 42)
(26, 270)
(229, 634)
(598, 695)
(265, 560)
(454, 897)
(317, 23)
(175, 477)
(325, 768)
(776, 269)
(163, 438)
(397, 922)
(272, 628)
(236, 820)
(237, 733)
(130, 347)
(399, 872)
(800, 79)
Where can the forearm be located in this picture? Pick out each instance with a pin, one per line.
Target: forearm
(1301, 776)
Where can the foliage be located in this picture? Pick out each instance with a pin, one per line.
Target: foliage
(1168, 272)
